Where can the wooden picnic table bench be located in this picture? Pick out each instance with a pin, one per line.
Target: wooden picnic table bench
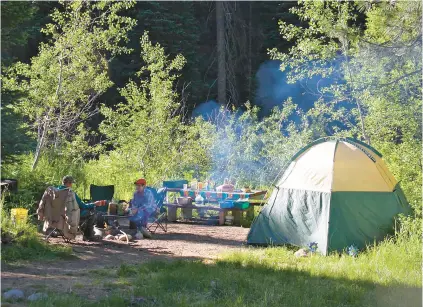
(255, 198)
(187, 212)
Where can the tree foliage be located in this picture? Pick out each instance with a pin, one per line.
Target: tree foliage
(59, 86)
(375, 65)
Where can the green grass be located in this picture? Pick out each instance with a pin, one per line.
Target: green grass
(28, 245)
(387, 275)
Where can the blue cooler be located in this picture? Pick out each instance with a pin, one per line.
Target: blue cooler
(175, 184)
(227, 204)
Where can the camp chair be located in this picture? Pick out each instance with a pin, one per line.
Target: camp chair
(98, 192)
(160, 220)
(59, 233)
(55, 219)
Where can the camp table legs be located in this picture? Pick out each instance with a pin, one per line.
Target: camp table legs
(250, 213)
(171, 213)
(237, 216)
(187, 212)
(222, 214)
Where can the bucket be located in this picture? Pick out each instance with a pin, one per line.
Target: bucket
(19, 215)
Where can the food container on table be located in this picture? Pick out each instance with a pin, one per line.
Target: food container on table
(184, 201)
(113, 208)
(122, 208)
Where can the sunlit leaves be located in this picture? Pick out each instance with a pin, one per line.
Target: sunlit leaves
(60, 85)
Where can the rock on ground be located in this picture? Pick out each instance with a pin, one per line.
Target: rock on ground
(13, 294)
(37, 296)
(301, 253)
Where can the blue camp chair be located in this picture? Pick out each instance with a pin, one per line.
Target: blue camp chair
(160, 219)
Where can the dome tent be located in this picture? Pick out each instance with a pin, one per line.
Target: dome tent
(336, 192)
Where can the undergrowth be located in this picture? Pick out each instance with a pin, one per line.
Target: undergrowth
(27, 243)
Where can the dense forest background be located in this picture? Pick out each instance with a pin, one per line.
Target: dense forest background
(187, 28)
(109, 92)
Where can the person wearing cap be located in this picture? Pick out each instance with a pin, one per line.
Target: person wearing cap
(142, 205)
(86, 213)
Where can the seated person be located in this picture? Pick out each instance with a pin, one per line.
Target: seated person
(89, 218)
(143, 205)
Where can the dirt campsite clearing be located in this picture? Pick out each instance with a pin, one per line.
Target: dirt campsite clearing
(80, 275)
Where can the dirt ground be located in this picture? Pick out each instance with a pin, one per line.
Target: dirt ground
(183, 241)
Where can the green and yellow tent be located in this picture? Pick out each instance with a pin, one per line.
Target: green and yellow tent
(336, 192)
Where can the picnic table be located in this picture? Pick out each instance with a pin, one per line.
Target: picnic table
(254, 198)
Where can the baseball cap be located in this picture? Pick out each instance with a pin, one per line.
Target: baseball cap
(141, 181)
(68, 179)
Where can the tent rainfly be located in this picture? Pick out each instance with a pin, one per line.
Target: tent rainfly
(335, 192)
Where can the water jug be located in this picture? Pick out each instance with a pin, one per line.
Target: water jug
(199, 200)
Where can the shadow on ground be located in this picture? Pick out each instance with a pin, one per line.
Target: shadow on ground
(224, 283)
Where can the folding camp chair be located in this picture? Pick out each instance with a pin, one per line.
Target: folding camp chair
(99, 192)
(58, 232)
(57, 205)
(159, 221)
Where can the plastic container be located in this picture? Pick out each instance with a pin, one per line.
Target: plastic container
(242, 205)
(175, 184)
(227, 204)
(19, 215)
(194, 185)
(199, 200)
(184, 201)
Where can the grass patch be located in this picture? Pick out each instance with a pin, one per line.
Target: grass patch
(387, 275)
(76, 301)
(126, 270)
(102, 273)
(30, 247)
(27, 244)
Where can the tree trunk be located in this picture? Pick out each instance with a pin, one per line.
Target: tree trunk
(221, 61)
(40, 143)
(59, 120)
(345, 50)
(250, 29)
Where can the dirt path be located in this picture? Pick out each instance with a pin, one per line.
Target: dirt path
(182, 241)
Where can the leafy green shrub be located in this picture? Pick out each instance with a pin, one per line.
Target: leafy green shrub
(26, 244)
